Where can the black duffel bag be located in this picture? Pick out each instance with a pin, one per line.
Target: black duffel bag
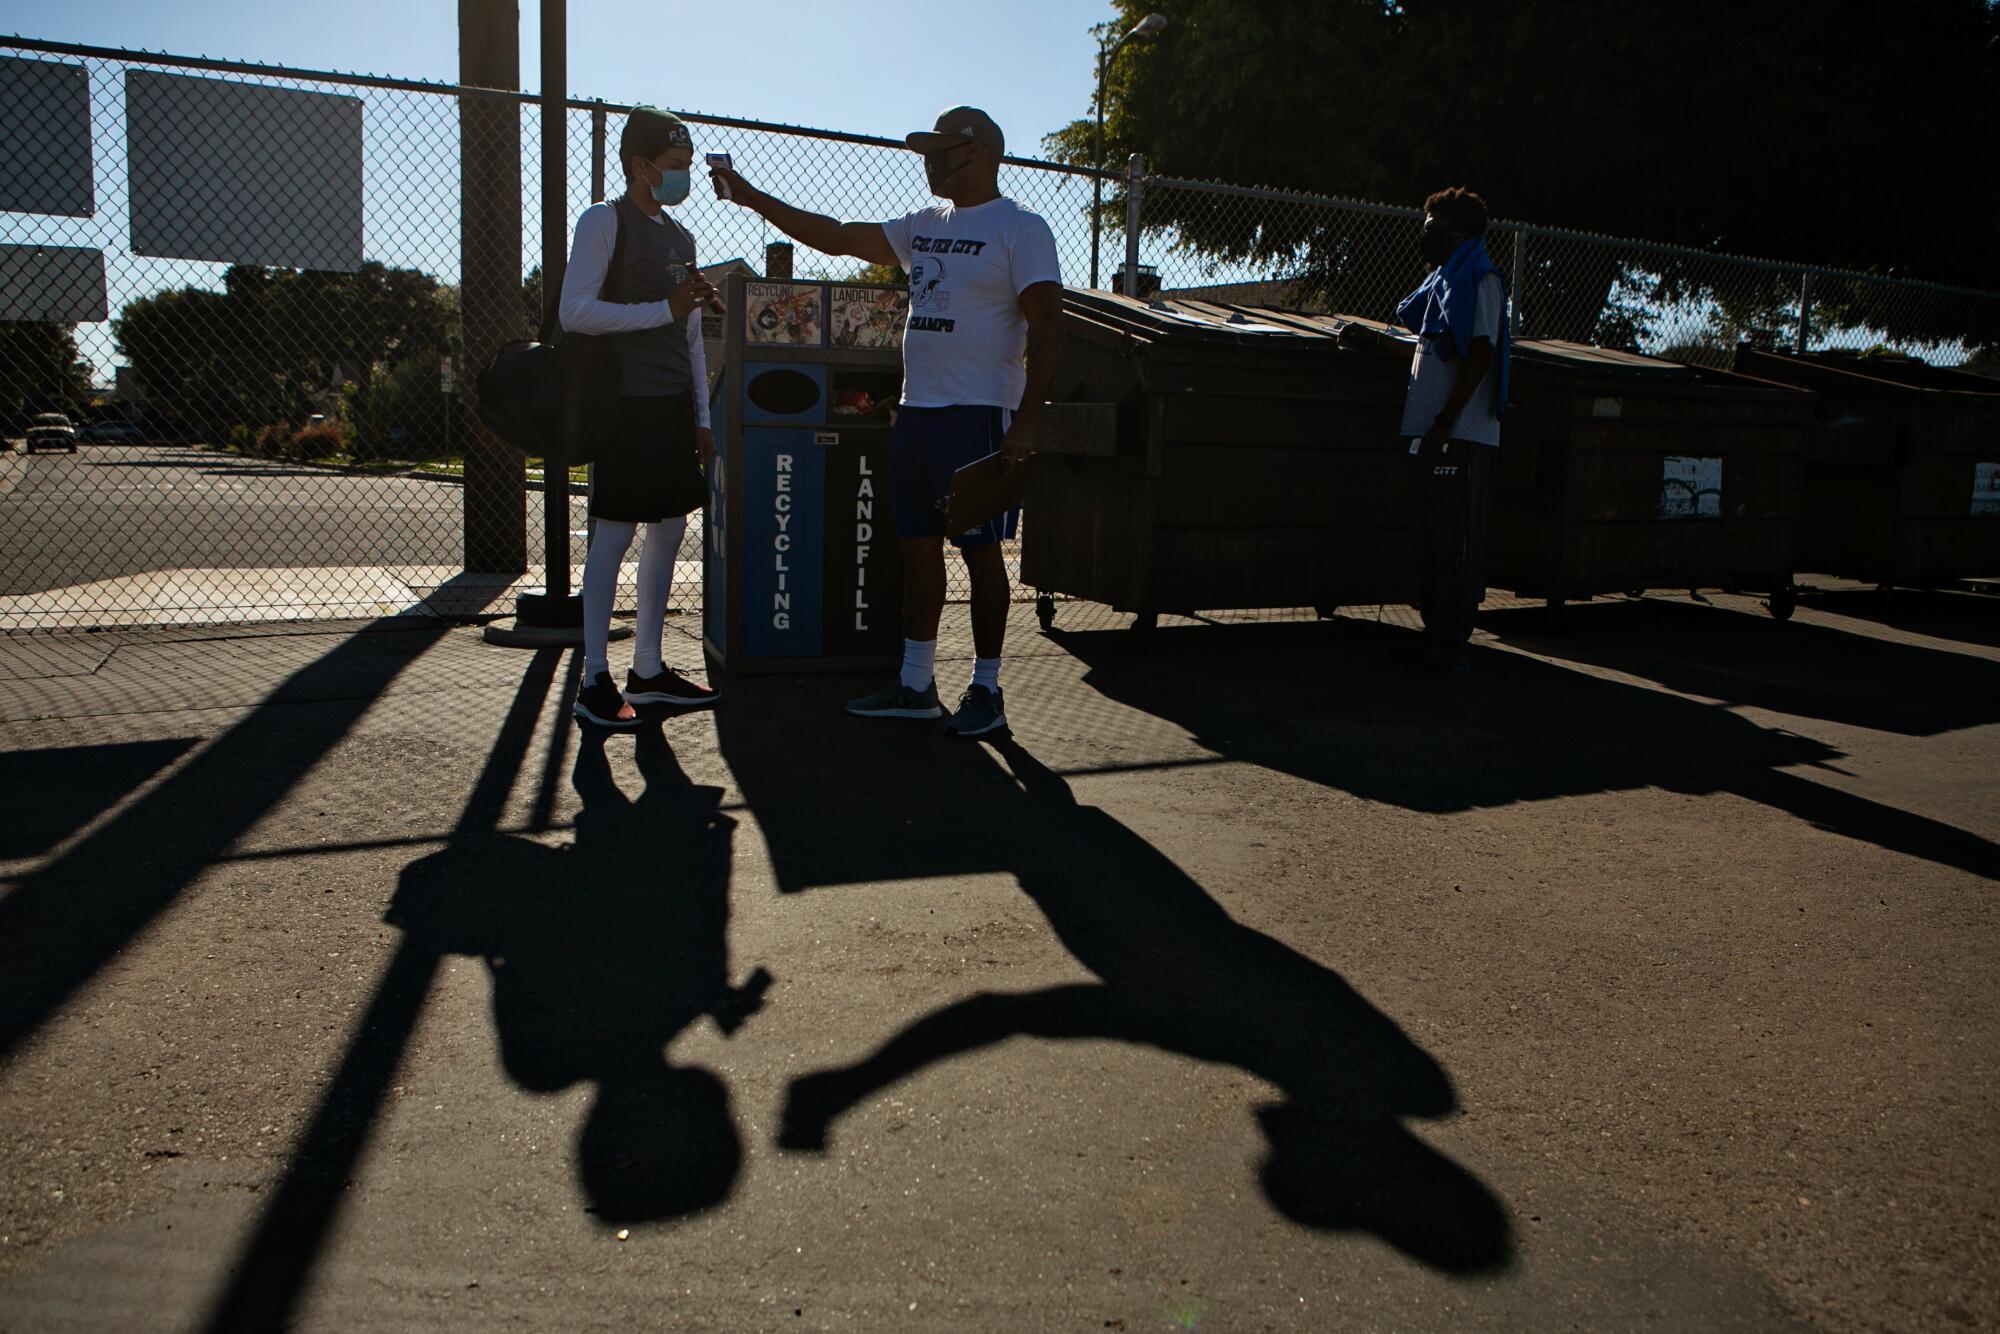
(555, 397)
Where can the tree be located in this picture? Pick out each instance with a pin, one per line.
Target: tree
(1828, 131)
(40, 370)
(259, 351)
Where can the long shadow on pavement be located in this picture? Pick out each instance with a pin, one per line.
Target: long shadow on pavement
(599, 954)
(1335, 710)
(840, 801)
(1808, 671)
(64, 922)
(1968, 618)
(53, 792)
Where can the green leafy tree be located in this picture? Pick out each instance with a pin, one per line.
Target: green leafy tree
(259, 351)
(40, 370)
(1829, 131)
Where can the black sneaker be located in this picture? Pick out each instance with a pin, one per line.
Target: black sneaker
(669, 687)
(979, 711)
(898, 701)
(599, 702)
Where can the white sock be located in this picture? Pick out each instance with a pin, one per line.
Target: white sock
(600, 588)
(986, 672)
(919, 656)
(656, 585)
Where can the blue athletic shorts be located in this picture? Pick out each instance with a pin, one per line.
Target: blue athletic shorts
(926, 448)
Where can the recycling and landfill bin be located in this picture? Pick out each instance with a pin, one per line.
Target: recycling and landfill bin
(1902, 474)
(800, 567)
(1620, 472)
(1203, 457)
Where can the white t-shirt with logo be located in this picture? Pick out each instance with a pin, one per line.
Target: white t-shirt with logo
(966, 340)
(1432, 376)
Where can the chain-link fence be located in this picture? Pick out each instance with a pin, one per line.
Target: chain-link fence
(243, 296)
(1270, 246)
(234, 319)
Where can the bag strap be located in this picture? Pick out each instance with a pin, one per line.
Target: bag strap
(552, 315)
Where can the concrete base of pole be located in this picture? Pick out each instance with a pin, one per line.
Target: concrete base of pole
(510, 632)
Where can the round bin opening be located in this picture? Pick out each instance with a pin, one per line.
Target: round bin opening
(784, 393)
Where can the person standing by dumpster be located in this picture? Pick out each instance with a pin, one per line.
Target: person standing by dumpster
(1451, 419)
(652, 473)
(979, 351)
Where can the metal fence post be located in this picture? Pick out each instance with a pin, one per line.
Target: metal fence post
(555, 257)
(1135, 184)
(1520, 267)
(1805, 312)
(489, 55)
(597, 152)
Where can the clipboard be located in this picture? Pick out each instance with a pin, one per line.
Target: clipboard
(983, 490)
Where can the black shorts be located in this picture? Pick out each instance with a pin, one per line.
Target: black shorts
(652, 471)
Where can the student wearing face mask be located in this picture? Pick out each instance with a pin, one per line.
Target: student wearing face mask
(979, 352)
(1451, 419)
(651, 474)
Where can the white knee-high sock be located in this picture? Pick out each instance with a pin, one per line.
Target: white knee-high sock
(656, 585)
(600, 588)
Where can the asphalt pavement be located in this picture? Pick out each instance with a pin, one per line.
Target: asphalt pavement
(1641, 979)
(113, 511)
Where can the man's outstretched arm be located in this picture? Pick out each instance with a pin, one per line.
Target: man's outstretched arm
(862, 240)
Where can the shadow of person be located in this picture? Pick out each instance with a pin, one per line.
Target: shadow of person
(1175, 972)
(600, 954)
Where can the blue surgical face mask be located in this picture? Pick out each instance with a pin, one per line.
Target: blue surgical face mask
(673, 186)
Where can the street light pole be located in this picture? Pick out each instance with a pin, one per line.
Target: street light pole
(1097, 162)
(1145, 27)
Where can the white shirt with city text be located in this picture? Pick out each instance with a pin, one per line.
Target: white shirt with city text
(965, 340)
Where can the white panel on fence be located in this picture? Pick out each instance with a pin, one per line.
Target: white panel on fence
(1986, 488)
(242, 173)
(45, 123)
(1690, 488)
(64, 284)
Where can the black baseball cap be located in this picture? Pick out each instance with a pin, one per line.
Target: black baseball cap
(956, 126)
(650, 132)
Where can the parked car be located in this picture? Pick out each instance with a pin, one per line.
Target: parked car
(50, 430)
(111, 433)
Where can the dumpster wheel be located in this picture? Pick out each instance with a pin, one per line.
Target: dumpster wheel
(1045, 611)
(1784, 601)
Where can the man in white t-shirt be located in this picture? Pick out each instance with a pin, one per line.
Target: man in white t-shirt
(1451, 419)
(979, 351)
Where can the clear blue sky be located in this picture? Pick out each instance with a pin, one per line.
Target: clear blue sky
(1031, 63)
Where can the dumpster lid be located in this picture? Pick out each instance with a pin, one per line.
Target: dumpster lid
(1587, 359)
(1176, 319)
(1906, 377)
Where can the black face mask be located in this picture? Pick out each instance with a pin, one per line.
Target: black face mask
(1436, 242)
(938, 168)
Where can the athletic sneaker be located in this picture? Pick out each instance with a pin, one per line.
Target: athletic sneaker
(600, 703)
(979, 711)
(669, 687)
(898, 701)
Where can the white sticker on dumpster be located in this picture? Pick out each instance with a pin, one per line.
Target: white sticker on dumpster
(1691, 488)
(1986, 488)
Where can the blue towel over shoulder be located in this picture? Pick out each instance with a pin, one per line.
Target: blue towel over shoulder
(1441, 310)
